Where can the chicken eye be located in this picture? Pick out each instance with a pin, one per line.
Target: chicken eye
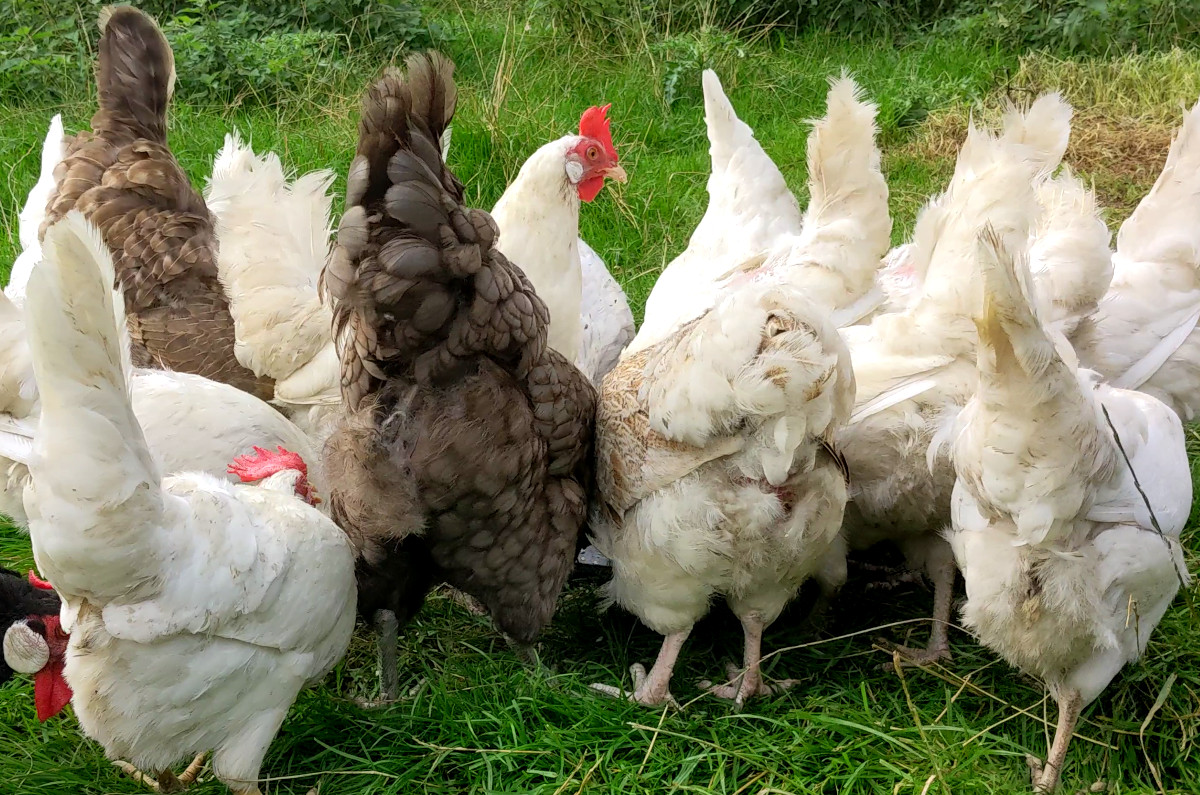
(592, 153)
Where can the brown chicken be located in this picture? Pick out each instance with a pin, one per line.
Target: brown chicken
(464, 455)
(125, 180)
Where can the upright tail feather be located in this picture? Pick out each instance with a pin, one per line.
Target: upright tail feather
(417, 282)
(135, 76)
(1165, 227)
(1045, 127)
(29, 221)
(93, 480)
(847, 227)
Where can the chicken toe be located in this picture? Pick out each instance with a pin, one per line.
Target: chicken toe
(654, 688)
(166, 781)
(747, 682)
(942, 571)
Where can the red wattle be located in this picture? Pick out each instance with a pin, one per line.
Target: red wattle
(50, 690)
(38, 582)
(590, 188)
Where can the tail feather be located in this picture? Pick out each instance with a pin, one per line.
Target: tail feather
(417, 282)
(1165, 227)
(847, 227)
(1045, 127)
(91, 462)
(273, 240)
(1069, 255)
(135, 76)
(992, 184)
(29, 221)
(1046, 478)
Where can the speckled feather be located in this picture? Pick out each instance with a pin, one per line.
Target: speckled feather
(448, 382)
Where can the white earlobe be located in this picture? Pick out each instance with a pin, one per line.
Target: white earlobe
(574, 171)
(25, 651)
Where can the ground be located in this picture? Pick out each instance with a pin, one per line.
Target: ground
(480, 722)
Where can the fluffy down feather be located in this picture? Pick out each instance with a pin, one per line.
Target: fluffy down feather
(714, 471)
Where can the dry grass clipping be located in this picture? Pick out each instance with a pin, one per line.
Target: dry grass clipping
(1126, 112)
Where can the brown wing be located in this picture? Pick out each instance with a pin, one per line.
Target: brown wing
(125, 180)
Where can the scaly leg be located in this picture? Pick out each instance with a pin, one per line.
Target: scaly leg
(1045, 777)
(942, 571)
(654, 688)
(748, 682)
(166, 781)
(388, 627)
(466, 601)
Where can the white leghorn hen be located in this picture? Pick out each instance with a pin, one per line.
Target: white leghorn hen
(1144, 334)
(916, 369)
(715, 474)
(538, 218)
(274, 237)
(753, 221)
(30, 218)
(197, 609)
(1067, 572)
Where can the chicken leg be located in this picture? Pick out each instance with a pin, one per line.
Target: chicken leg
(166, 781)
(1045, 777)
(941, 570)
(748, 682)
(654, 688)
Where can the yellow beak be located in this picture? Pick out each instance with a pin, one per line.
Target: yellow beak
(617, 173)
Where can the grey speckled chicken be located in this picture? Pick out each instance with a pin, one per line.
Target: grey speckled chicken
(124, 179)
(465, 452)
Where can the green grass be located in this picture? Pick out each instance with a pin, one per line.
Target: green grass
(481, 723)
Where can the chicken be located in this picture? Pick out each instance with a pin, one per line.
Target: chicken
(915, 369)
(124, 179)
(1068, 566)
(196, 609)
(190, 423)
(607, 319)
(749, 210)
(29, 220)
(1144, 334)
(34, 642)
(715, 475)
(274, 237)
(448, 384)
(538, 218)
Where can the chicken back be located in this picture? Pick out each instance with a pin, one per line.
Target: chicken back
(464, 453)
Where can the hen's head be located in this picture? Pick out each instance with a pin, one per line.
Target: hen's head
(34, 642)
(264, 465)
(593, 158)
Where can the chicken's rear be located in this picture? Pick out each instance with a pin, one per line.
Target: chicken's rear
(448, 382)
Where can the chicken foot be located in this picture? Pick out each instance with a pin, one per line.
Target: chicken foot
(388, 627)
(1045, 777)
(748, 682)
(942, 571)
(166, 781)
(654, 688)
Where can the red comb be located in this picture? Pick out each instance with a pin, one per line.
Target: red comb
(594, 123)
(38, 582)
(264, 463)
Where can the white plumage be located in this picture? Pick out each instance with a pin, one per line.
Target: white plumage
(1066, 576)
(197, 609)
(1143, 336)
(29, 221)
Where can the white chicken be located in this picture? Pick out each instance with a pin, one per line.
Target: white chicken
(29, 221)
(197, 609)
(1068, 567)
(715, 474)
(274, 237)
(1144, 335)
(607, 319)
(538, 218)
(915, 370)
(753, 219)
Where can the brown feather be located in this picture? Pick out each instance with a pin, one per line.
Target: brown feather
(125, 180)
(447, 380)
